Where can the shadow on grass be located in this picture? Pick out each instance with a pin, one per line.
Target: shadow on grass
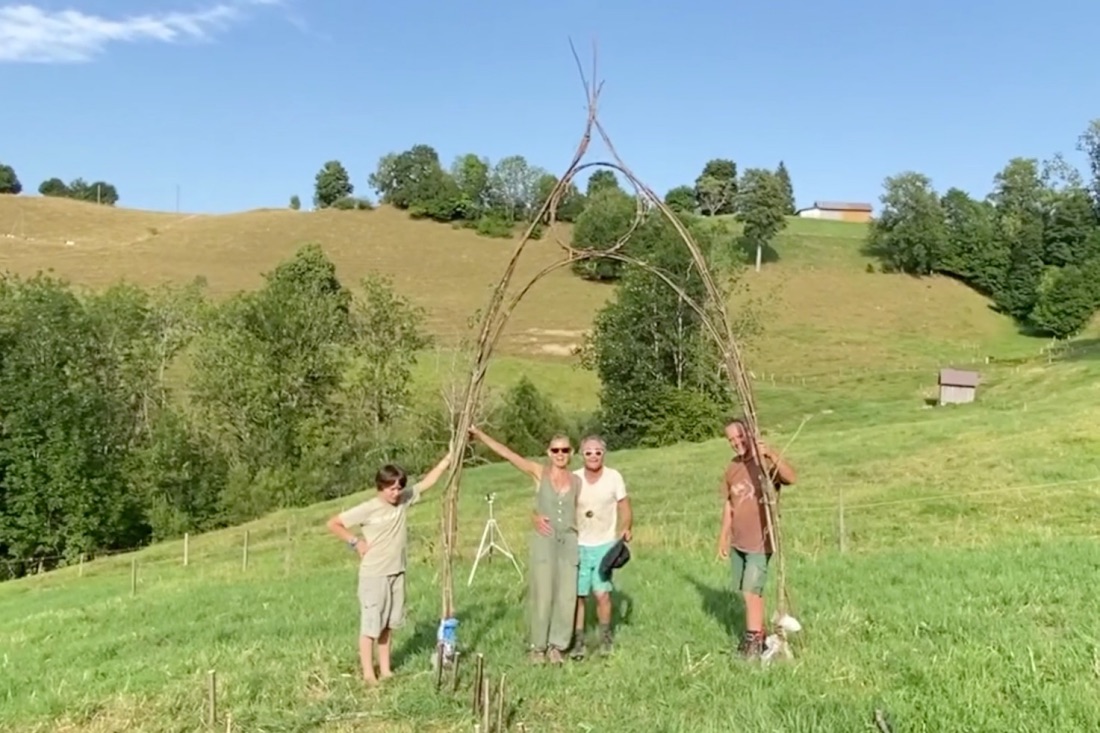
(768, 254)
(622, 610)
(721, 604)
(1081, 350)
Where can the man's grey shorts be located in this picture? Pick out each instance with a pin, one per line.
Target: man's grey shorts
(382, 604)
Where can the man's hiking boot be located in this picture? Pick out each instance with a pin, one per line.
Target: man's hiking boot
(606, 642)
(577, 653)
(752, 645)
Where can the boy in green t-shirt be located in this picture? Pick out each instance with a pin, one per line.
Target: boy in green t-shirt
(382, 550)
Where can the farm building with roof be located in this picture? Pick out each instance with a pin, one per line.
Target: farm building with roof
(837, 210)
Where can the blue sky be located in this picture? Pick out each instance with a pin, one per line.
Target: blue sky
(239, 102)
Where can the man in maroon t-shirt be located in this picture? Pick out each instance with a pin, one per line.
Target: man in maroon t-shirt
(744, 527)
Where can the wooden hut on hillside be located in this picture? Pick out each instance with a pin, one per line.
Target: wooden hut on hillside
(958, 386)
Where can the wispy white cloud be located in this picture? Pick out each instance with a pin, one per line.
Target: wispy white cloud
(30, 34)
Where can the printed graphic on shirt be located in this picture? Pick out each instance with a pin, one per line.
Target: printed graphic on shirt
(598, 507)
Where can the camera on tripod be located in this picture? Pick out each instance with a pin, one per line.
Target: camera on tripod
(490, 497)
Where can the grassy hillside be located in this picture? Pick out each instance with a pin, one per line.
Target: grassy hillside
(824, 313)
(961, 600)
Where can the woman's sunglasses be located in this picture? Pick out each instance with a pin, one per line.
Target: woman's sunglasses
(561, 450)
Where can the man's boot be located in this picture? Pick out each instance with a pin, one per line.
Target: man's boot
(606, 641)
(577, 653)
(752, 645)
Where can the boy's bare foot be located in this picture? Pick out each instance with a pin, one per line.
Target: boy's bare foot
(555, 656)
(385, 675)
(370, 681)
(537, 656)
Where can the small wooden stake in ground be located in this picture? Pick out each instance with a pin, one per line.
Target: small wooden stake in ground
(500, 705)
(486, 708)
(212, 698)
(229, 723)
(880, 721)
(438, 667)
(244, 554)
(454, 673)
(133, 576)
(479, 681)
(842, 533)
(186, 548)
(289, 544)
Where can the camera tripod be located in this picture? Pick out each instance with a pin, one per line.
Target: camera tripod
(489, 537)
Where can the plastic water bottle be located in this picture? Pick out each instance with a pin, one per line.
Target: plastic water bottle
(447, 637)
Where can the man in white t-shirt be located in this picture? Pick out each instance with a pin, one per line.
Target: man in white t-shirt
(603, 516)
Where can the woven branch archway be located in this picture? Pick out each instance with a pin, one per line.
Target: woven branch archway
(712, 312)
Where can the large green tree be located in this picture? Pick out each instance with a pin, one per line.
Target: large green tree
(909, 234)
(761, 207)
(660, 380)
(414, 180)
(1018, 198)
(68, 427)
(971, 249)
(785, 184)
(514, 188)
(267, 371)
(331, 184)
(681, 199)
(606, 219)
(9, 182)
(602, 179)
(1066, 299)
(571, 203)
(716, 187)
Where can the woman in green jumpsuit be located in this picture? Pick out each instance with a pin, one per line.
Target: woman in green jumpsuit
(554, 554)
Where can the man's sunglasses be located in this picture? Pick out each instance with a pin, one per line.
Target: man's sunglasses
(596, 453)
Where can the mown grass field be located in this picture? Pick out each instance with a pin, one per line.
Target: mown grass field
(963, 599)
(960, 596)
(823, 311)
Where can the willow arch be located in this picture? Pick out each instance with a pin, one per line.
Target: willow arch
(712, 312)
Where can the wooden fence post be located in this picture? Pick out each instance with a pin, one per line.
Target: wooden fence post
(133, 576)
(186, 548)
(244, 555)
(289, 544)
(212, 698)
(841, 530)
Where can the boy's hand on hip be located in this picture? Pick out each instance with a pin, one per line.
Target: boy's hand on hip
(542, 524)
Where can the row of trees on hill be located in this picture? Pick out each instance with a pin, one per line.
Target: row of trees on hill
(292, 393)
(494, 197)
(1032, 244)
(759, 202)
(99, 192)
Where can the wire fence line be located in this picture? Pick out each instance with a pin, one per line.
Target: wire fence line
(268, 538)
(639, 508)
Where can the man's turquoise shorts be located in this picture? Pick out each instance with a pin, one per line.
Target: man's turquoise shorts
(588, 573)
